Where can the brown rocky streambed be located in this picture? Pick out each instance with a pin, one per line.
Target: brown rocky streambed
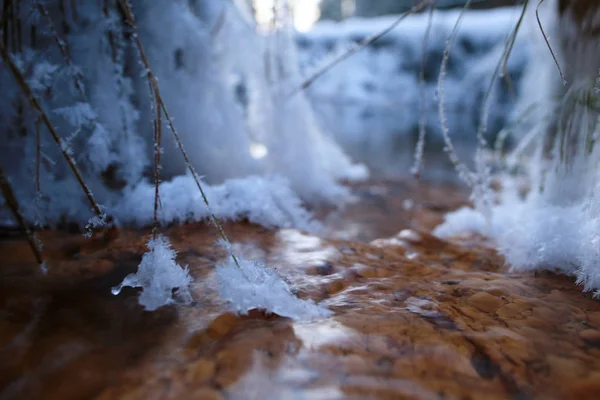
(415, 317)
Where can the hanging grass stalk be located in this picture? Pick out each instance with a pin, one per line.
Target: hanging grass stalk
(63, 47)
(462, 169)
(537, 16)
(13, 205)
(130, 19)
(157, 156)
(512, 41)
(355, 49)
(38, 158)
(35, 104)
(4, 22)
(420, 149)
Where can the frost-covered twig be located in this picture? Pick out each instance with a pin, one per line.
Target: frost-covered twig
(38, 157)
(62, 46)
(36, 105)
(463, 171)
(416, 169)
(129, 17)
(355, 49)
(13, 205)
(157, 154)
(537, 16)
(511, 44)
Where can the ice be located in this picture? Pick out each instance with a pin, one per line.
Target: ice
(251, 285)
(162, 280)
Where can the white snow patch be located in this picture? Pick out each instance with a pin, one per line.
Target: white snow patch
(464, 220)
(267, 201)
(254, 286)
(159, 276)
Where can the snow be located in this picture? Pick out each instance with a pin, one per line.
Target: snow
(251, 285)
(556, 225)
(268, 201)
(371, 101)
(220, 93)
(265, 155)
(162, 280)
(465, 220)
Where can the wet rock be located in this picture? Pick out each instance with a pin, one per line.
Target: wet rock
(433, 320)
(485, 302)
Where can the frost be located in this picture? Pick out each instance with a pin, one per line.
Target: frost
(371, 101)
(99, 154)
(462, 221)
(268, 201)
(78, 114)
(94, 223)
(162, 280)
(254, 286)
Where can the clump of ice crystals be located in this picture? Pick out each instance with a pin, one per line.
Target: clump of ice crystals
(162, 280)
(251, 285)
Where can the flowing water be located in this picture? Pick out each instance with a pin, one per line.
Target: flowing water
(415, 317)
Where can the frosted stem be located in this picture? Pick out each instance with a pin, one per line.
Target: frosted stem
(35, 104)
(462, 170)
(355, 49)
(13, 205)
(129, 16)
(62, 47)
(416, 169)
(537, 16)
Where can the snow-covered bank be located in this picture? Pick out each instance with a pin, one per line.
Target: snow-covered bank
(371, 101)
(556, 224)
(205, 53)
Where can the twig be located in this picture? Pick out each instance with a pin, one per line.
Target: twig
(35, 104)
(463, 171)
(130, 19)
(4, 22)
(157, 154)
(38, 157)
(511, 44)
(418, 165)
(63, 47)
(13, 205)
(537, 15)
(355, 49)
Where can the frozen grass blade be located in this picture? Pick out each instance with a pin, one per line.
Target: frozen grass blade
(462, 170)
(355, 49)
(13, 205)
(36, 105)
(62, 46)
(511, 45)
(537, 16)
(416, 169)
(130, 18)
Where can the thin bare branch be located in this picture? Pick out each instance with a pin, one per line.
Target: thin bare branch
(63, 47)
(38, 157)
(511, 44)
(537, 16)
(36, 105)
(130, 19)
(355, 49)
(418, 165)
(13, 205)
(462, 169)
(157, 154)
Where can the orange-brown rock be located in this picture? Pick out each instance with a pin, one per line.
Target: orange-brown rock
(415, 318)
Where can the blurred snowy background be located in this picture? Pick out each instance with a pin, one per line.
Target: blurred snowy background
(371, 102)
(226, 71)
